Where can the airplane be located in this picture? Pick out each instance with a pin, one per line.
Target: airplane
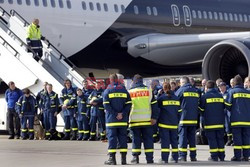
(149, 37)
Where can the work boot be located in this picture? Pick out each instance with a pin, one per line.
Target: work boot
(11, 137)
(18, 137)
(92, 138)
(111, 160)
(244, 159)
(161, 161)
(235, 159)
(123, 158)
(229, 141)
(135, 159)
(182, 159)
(193, 159)
(66, 137)
(212, 159)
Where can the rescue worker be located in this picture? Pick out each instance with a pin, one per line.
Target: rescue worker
(189, 98)
(81, 116)
(247, 83)
(26, 108)
(51, 105)
(223, 90)
(238, 102)
(143, 116)
(168, 121)
(174, 86)
(87, 88)
(34, 38)
(203, 84)
(11, 96)
(97, 111)
(212, 108)
(117, 104)
(68, 95)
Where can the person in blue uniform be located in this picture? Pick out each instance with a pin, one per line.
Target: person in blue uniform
(117, 104)
(68, 95)
(189, 98)
(97, 111)
(212, 108)
(168, 121)
(26, 108)
(238, 103)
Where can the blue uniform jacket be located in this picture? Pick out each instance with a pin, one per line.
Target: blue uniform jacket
(116, 99)
(68, 94)
(169, 111)
(213, 110)
(26, 106)
(51, 102)
(81, 107)
(12, 96)
(40, 98)
(238, 102)
(189, 98)
(98, 109)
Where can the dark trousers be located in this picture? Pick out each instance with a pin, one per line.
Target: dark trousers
(49, 121)
(39, 54)
(216, 143)
(169, 136)
(93, 121)
(13, 122)
(241, 138)
(115, 136)
(145, 135)
(227, 123)
(187, 136)
(25, 130)
(70, 124)
(83, 127)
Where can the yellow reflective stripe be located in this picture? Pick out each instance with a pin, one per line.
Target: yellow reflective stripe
(74, 129)
(183, 149)
(128, 102)
(154, 135)
(190, 94)
(106, 102)
(153, 102)
(139, 124)
(241, 95)
(201, 109)
(192, 149)
(240, 123)
(168, 126)
(136, 150)
(86, 131)
(237, 147)
(102, 134)
(221, 150)
(170, 102)
(18, 103)
(140, 120)
(53, 106)
(101, 108)
(214, 150)
(117, 124)
(67, 130)
(229, 134)
(81, 131)
(24, 130)
(112, 150)
(123, 150)
(148, 150)
(228, 104)
(180, 110)
(31, 130)
(83, 113)
(47, 134)
(165, 150)
(23, 101)
(215, 100)
(88, 105)
(83, 102)
(246, 147)
(214, 126)
(92, 133)
(175, 150)
(118, 95)
(188, 122)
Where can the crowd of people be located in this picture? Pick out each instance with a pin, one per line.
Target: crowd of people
(170, 113)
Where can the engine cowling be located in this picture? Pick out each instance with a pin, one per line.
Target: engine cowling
(227, 59)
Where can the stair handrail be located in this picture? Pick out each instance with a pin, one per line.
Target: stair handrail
(4, 11)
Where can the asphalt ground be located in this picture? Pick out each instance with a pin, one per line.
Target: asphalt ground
(41, 153)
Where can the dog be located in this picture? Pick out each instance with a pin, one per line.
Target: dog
(38, 129)
(55, 135)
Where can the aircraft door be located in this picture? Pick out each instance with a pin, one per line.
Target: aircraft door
(187, 16)
(176, 15)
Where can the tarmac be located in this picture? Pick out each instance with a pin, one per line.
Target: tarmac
(41, 153)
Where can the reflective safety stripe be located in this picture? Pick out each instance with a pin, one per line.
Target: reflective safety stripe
(67, 130)
(139, 124)
(240, 123)
(81, 131)
(174, 150)
(101, 108)
(153, 102)
(214, 150)
(111, 150)
(106, 102)
(229, 134)
(136, 150)
(74, 129)
(102, 134)
(83, 102)
(228, 104)
(214, 126)
(215, 100)
(36, 47)
(170, 102)
(183, 149)
(190, 94)
(154, 135)
(86, 131)
(18, 103)
(88, 105)
(246, 147)
(148, 150)
(165, 150)
(221, 150)
(241, 95)
(47, 134)
(123, 150)
(117, 95)
(128, 102)
(192, 148)
(180, 110)
(188, 122)
(92, 133)
(201, 109)
(24, 130)
(117, 124)
(23, 101)
(53, 106)
(167, 126)
(31, 130)
(237, 147)
(83, 113)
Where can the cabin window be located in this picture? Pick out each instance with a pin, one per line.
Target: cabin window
(210, 15)
(105, 6)
(53, 3)
(205, 14)
(28, 2)
(98, 6)
(245, 18)
(68, 2)
(220, 16)
(116, 8)
(91, 6)
(84, 6)
(194, 14)
(123, 8)
(136, 10)
(155, 12)
(226, 16)
(36, 2)
(60, 3)
(235, 17)
(215, 16)
(199, 14)
(1, 1)
(241, 17)
(231, 17)
(45, 4)
(10, 1)
(149, 12)
(19, 2)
